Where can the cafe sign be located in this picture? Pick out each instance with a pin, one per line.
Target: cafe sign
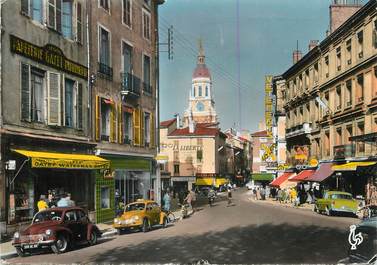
(49, 55)
(41, 162)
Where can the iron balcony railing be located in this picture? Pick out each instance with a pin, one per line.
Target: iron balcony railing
(105, 70)
(130, 84)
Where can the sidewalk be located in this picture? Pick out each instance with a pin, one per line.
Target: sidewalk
(305, 206)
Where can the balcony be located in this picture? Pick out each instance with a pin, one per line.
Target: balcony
(130, 85)
(301, 129)
(105, 71)
(344, 151)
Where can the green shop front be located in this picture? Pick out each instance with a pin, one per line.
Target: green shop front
(128, 179)
(262, 178)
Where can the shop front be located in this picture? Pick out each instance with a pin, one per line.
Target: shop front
(46, 173)
(128, 179)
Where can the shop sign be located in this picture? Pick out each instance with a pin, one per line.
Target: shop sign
(269, 152)
(268, 104)
(108, 174)
(282, 167)
(49, 55)
(40, 162)
(181, 147)
(205, 175)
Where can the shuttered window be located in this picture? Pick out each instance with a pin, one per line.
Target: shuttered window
(147, 124)
(113, 123)
(120, 123)
(142, 128)
(37, 94)
(25, 92)
(53, 99)
(152, 133)
(69, 102)
(79, 107)
(79, 23)
(128, 127)
(137, 125)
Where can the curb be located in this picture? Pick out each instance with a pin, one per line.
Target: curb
(282, 205)
(8, 255)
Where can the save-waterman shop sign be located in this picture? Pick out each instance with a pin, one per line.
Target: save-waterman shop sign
(49, 55)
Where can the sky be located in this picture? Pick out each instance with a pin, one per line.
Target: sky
(269, 31)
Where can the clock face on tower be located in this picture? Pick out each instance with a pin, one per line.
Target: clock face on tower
(200, 106)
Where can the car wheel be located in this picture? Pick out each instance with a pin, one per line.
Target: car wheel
(61, 245)
(119, 231)
(93, 238)
(145, 228)
(165, 222)
(20, 252)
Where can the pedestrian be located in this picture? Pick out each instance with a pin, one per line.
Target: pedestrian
(188, 199)
(51, 201)
(279, 195)
(229, 194)
(63, 202)
(193, 199)
(283, 195)
(254, 193)
(42, 204)
(71, 203)
(258, 194)
(167, 200)
(262, 193)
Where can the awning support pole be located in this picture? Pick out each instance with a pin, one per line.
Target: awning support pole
(19, 170)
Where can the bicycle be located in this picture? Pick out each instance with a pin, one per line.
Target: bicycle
(170, 216)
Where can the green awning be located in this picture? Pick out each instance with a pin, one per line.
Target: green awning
(262, 176)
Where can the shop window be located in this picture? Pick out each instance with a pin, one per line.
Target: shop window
(105, 4)
(147, 128)
(360, 41)
(146, 25)
(69, 102)
(105, 197)
(128, 128)
(127, 12)
(176, 169)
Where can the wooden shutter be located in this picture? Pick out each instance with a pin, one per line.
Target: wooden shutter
(62, 101)
(136, 126)
(120, 123)
(79, 23)
(59, 15)
(152, 131)
(79, 106)
(113, 123)
(98, 119)
(53, 99)
(25, 7)
(25, 92)
(142, 128)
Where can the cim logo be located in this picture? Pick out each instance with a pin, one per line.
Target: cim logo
(353, 238)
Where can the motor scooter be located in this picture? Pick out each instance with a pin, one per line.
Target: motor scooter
(211, 199)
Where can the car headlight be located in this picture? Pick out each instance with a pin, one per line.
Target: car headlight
(16, 235)
(48, 232)
(116, 220)
(135, 218)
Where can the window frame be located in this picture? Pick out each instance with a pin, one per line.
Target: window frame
(100, 5)
(101, 27)
(131, 13)
(148, 14)
(150, 73)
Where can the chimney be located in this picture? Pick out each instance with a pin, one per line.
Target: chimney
(313, 44)
(341, 10)
(178, 120)
(297, 55)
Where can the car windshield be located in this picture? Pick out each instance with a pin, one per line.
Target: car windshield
(341, 196)
(47, 216)
(135, 207)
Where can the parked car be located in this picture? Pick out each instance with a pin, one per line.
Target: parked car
(142, 215)
(336, 202)
(364, 240)
(58, 229)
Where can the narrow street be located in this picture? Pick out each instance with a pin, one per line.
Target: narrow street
(248, 232)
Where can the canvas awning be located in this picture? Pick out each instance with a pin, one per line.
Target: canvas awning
(323, 171)
(61, 160)
(352, 166)
(303, 175)
(281, 179)
(262, 176)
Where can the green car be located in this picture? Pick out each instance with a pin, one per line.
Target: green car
(336, 202)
